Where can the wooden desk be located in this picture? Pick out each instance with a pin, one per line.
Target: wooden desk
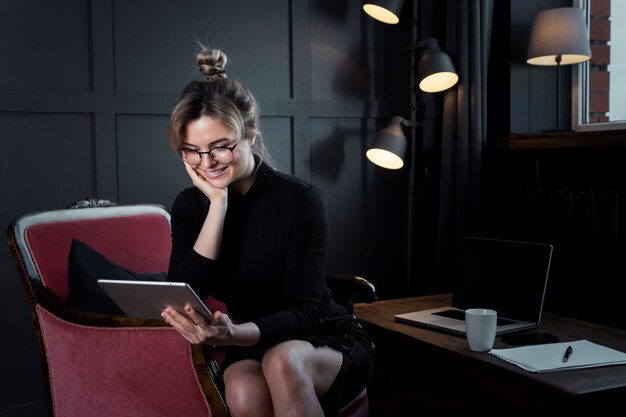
(423, 369)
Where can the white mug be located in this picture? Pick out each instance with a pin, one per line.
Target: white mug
(480, 328)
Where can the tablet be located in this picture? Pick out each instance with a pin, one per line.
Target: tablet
(147, 299)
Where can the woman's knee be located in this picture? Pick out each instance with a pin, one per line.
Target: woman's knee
(247, 394)
(285, 364)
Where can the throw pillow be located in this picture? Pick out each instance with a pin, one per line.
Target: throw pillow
(85, 267)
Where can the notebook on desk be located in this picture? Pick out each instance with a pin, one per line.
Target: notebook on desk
(507, 276)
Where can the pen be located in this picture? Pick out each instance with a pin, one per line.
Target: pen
(568, 353)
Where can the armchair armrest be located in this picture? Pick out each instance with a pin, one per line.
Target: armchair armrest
(154, 341)
(350, 289)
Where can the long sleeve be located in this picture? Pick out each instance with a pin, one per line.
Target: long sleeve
(304, 272)
(186, 265)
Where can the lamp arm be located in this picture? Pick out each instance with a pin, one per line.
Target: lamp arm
(408, 123)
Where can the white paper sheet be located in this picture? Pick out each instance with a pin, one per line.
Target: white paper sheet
(549, 357)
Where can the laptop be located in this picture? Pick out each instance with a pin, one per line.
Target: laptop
(147, 299)
(504, 275)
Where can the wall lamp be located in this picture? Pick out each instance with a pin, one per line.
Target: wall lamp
(435, 68)
(386, 11)
(435, 73)
(559, 37)
(389, 145)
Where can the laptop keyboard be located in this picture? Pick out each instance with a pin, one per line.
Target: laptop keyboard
(460, 315)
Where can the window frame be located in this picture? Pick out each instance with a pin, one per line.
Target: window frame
(580, 90)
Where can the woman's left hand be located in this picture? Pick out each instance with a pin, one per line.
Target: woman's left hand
(197, 329)
(213, 193)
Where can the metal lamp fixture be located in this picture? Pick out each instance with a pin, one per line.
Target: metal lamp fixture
(435, 73)
(559, 37)
(386, 11)
(435, 68)
(389, 145)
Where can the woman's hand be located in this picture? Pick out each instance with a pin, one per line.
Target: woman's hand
(197, 329)
(220, 332)
(212, 193)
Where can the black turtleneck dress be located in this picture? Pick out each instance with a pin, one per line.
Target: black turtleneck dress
(271, 271)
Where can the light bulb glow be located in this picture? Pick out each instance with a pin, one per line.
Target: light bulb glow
(566, 59)
(380, 13)
(438, 82)
(384, 158)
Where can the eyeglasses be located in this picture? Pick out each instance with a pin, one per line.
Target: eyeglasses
(222, 154)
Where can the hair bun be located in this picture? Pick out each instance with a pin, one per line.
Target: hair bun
(211, 63)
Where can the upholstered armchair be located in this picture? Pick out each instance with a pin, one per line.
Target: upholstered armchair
(107, 365)
(99, 364)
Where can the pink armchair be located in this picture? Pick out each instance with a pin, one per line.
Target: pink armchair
(108, 365)
(103, 365)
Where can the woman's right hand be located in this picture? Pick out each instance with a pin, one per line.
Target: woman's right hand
(197, 329)
(212, 193)
(218, 330)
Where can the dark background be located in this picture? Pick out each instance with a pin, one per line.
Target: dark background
(86, 89)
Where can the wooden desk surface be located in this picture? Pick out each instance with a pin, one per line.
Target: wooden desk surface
(569, 385)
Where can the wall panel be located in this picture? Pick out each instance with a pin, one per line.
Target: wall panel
(277, 136)
(338, 63)
(148, 170)
(46, 160)
(154, 43)
(255, 36)
(336, 161)
(45, 45)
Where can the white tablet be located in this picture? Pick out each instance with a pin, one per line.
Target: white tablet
(147, 299)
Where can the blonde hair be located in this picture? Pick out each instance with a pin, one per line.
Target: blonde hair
(221, 98)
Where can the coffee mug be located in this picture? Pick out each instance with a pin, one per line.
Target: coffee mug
(480, 328)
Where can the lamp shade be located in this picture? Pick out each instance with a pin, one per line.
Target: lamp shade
(559, 32)
(435, 69)
(386, 11)
(389, 145)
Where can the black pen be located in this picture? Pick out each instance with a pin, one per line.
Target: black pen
(568, 353)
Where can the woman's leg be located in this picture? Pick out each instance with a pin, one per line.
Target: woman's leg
(297, 374)
(247, 393)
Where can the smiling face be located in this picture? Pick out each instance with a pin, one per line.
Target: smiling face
(206, 133)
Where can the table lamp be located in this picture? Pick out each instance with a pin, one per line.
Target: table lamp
(559, 37)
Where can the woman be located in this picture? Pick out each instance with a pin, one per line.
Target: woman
(256, 239)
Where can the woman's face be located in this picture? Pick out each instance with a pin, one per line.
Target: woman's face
(205, 134)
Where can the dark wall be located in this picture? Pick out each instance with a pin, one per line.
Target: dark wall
(574, 199)
(86, 89)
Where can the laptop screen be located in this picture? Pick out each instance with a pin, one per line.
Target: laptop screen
(507, 276)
